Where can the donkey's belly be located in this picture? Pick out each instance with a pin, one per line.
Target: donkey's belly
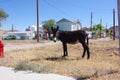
(69, 39)
(73, 42)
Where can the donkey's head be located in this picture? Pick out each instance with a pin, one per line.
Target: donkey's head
(54, 31)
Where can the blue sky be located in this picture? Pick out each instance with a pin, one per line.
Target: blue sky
(22, 13)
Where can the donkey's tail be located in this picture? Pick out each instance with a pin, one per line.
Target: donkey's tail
(87, 39)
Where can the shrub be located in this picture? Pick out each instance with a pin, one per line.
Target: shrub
(25, 66)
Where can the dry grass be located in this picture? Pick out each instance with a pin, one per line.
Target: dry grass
(104, 63)
(22, 41)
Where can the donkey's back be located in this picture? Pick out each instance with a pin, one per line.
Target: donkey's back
(72, 36)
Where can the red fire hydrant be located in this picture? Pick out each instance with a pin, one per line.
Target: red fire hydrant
(1, 49)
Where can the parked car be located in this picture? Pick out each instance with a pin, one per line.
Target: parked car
(10, 37)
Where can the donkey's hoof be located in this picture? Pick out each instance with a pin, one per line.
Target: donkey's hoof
(88, 57)
(63, 56)
(82, 56)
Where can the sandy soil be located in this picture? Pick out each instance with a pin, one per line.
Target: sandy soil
(9, 47)
(45, 53)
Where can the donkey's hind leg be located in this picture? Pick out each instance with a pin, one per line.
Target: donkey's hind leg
(83, 53)
(83, 50)
(88, 53)
(86, 48)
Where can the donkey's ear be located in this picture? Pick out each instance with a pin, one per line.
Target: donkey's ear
(57, 27)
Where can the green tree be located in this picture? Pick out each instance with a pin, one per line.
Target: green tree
(48, 24)
(3, 16)
(98, 29)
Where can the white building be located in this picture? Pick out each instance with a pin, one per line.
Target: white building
(34, 29)
(19, 35)
(67, 25)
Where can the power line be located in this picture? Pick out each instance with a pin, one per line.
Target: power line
(58, 9)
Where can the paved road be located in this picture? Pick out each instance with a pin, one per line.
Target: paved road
(9, 74)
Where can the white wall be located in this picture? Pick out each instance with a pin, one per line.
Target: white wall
(65, 25)
(20, 35)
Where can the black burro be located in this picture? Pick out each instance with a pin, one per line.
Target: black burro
(72, 37)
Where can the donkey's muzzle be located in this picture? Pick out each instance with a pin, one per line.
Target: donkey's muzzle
(55, 39)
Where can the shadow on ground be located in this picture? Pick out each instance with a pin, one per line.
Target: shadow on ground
(81, 79)
(56, 58)
(60, 58)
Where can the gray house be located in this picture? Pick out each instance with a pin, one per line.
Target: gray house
(67, 25)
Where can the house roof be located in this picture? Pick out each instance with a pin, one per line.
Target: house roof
(64, 19)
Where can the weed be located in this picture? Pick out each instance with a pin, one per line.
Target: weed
(25, 66)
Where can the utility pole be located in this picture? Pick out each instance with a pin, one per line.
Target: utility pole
(106, 31)
(12, 27)
(106, 26)
(113, 24)
(118, 6)
(100, 27)
(37, 10)
(101, 21)
(91, 21)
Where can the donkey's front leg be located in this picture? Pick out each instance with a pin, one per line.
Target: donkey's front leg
(65, 49)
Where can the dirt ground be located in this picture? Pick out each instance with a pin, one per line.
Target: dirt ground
(104, 63)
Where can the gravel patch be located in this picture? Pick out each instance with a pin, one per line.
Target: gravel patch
(10, 47)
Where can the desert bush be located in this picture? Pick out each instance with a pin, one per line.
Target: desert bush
(23, 65)
(26, 66)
